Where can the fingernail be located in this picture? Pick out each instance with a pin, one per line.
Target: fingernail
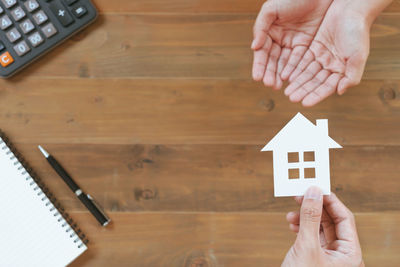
(257, 75)
(253, 44)
(294, 97)
(313, 193)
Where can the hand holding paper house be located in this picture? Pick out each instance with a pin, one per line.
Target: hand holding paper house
(301, 157)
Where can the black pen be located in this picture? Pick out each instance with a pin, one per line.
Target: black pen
(87, 200)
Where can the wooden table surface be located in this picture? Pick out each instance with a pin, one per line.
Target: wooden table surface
(153, 110)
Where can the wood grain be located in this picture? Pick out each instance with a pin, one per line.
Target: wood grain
(152, 109)
(191, 6)
(210, 178)
(185, 46)
(209, 239)
(125, 111)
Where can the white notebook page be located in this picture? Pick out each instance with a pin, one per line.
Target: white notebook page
(30, 233)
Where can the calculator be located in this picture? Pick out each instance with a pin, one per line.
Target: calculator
(30, 28)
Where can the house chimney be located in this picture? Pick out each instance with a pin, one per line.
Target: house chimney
(322, 125)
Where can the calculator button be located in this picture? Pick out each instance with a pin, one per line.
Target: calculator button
(49, 30)
(61, 13)
(13, 35)
(2, 46)
(79, 11)
(31, 5)
(6, 59)
(35, 39)
(21, 48)
(70, 2)
(5, 22)
(9, 3)
(40, 17)
(27, 26)
(18, 13)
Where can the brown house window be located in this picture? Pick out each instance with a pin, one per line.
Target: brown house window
(301, 165)
(294, 173)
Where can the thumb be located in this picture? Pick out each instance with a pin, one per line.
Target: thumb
(263, 22)
(310, 216)
(354, 71)
(355, 66)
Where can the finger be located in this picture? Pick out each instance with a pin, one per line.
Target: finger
(328, 227)
(310, 217)
(260, 60)
(294, 228)
(263, 22)
(322, 91)
(354, 71)
(309, 86)
(344, 84)
(326, 222)
(293, 217)
(270, 72)
(278, 82)
(283, 58)
(304, 77)
(302, 65)
(342, 218)
(295, 56)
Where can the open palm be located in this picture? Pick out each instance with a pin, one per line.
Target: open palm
(335, 59)
(283, 32)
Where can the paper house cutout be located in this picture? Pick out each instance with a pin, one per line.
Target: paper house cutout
(301, 157)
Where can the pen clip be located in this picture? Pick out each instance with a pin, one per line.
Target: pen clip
(100, 209)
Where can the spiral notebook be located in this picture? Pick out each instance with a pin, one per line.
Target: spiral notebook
(34, 229)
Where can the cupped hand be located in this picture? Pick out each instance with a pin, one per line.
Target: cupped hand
(283, 32)
(335, 59)
(327, 234)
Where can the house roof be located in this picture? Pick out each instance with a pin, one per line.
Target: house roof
(301, 134)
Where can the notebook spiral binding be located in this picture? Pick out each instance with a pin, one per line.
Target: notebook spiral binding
(42, 191)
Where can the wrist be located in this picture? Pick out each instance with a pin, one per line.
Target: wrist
(374, 8)
(369, 10)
